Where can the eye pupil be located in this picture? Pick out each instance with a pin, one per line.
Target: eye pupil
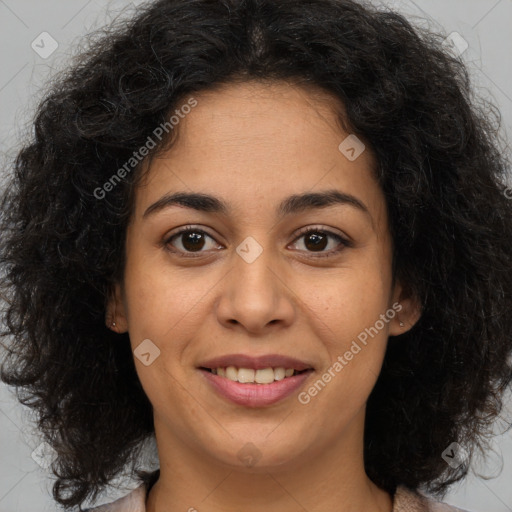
(193, 241)
(319, 241)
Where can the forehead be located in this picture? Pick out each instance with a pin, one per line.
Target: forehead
(259, 140)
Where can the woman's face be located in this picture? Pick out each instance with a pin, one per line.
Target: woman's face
(248, 281)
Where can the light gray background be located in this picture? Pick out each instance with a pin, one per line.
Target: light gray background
(484, 24)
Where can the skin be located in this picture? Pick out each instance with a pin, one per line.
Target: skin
(252, 145)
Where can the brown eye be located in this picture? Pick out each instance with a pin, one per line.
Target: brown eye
(317, 240)
(190, 240)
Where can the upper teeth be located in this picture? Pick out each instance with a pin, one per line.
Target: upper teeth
(264, 376)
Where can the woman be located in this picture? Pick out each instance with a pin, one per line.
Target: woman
(274, 235)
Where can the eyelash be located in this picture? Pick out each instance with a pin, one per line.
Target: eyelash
(305, 231)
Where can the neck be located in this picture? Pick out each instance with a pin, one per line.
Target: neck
(317, 480)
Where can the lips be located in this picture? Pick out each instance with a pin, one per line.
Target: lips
(255, 395)
(289, 375)
(256, 362)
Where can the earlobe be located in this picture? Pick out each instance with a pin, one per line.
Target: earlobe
(408, 311)
(115, 317)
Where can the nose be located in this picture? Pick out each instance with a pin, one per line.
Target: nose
(255, 295)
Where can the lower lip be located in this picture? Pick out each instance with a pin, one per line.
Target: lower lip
(255, 395)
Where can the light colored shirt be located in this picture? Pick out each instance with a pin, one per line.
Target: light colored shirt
(404, 500)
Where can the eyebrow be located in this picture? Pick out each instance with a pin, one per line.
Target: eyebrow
(293, 204)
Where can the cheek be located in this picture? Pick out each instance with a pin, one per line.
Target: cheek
(354, 350)
(164, 308)
(169, 308)
(345, 303)
(345, 316)
(158, 298)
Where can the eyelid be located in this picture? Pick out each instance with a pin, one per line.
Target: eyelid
(343, 239)
(180, 231)
(328, 231)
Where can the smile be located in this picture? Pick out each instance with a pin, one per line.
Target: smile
(255, 388)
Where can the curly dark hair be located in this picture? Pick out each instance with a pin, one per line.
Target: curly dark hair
(440, 166)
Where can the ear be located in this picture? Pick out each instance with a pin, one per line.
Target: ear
(408, 310)
(115, 317)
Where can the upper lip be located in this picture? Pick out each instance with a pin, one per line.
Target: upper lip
(256, 362)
